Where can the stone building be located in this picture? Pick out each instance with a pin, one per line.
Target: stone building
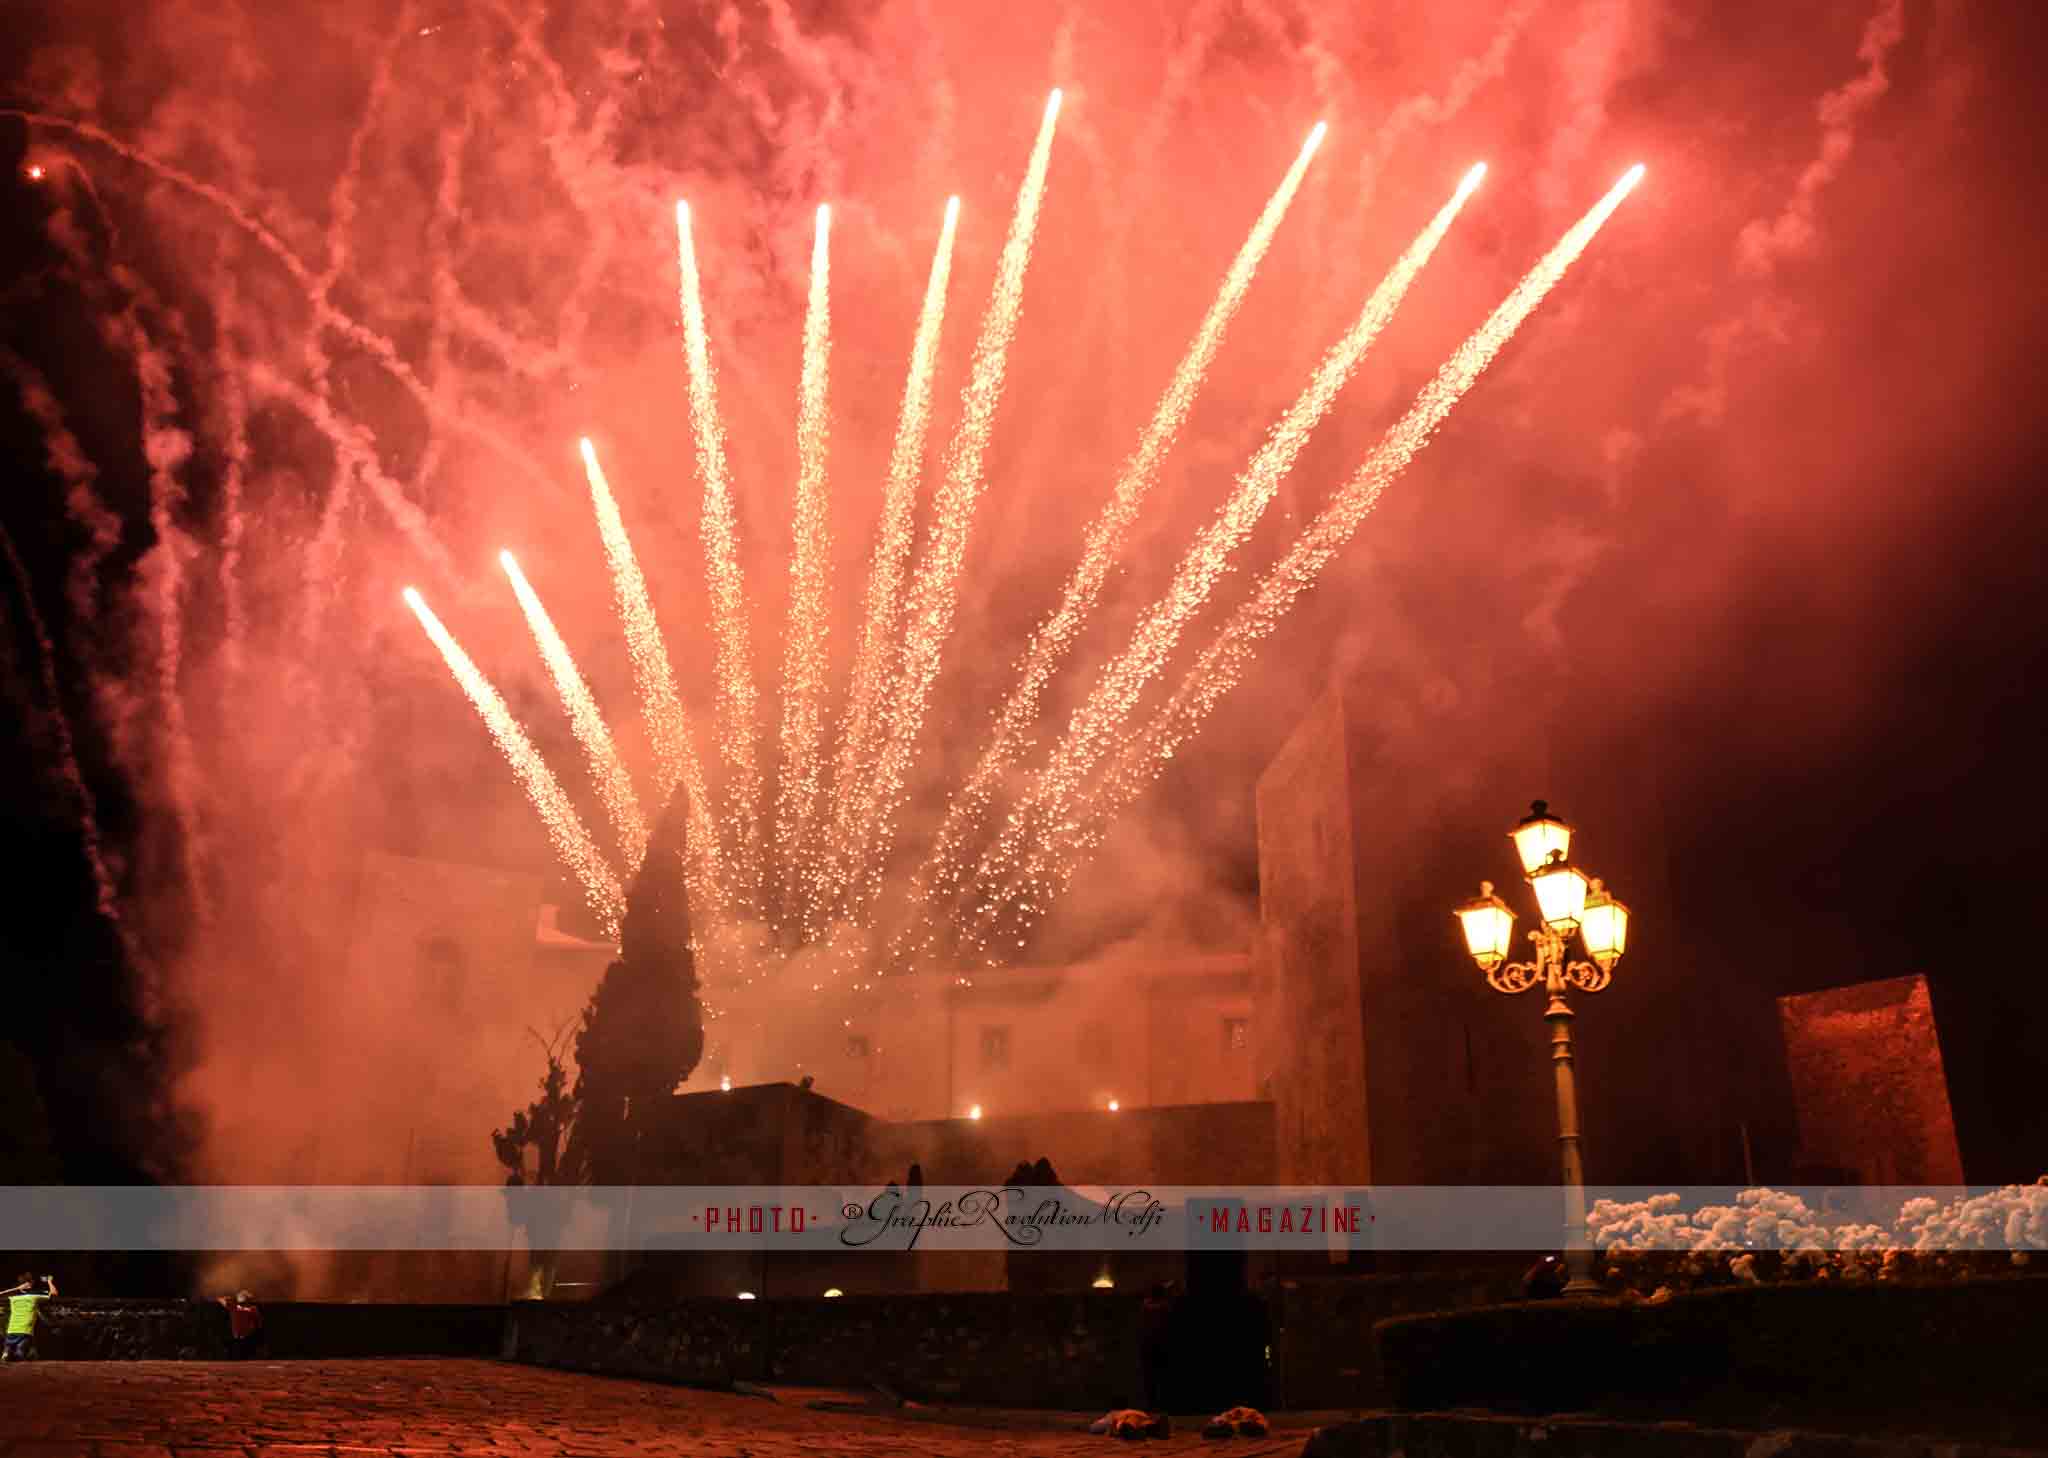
(1868, 1085)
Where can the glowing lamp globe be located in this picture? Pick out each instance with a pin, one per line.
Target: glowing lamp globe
(1603, 923)
(1538, 834)
(1560, 890)
(1488, 924)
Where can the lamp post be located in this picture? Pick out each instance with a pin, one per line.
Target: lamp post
(1569, 904)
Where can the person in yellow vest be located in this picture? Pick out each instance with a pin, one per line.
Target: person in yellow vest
(24, 1306)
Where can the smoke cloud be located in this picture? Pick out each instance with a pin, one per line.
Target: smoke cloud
(317, 305)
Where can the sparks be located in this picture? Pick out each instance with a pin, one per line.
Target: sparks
(1098, 725)
(614, 785)
(867, 707)
(1104, 542)
(1223, 664)
(734, 672)
(571, 841)
(668, 726)
(804, 663)
(935, 589)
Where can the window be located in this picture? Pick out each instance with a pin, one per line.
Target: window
(1237, 1035)
(856, 1045)
(995, 1047)
(440, 971)
(1094, 1046)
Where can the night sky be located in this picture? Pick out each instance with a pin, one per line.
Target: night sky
(1739, 540)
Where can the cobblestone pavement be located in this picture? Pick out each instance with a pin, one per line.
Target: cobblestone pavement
(431, 1409)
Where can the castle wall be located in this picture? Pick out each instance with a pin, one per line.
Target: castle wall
(1307, 1018)
(1868, 1084)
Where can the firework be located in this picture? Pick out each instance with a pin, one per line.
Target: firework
(867, 716)
(1053, 860)
(935, 589)
(675, 752)
(614, 785)
(1104, 542)
(803, 662)
(571, 841)
(1098, 724)
(734, 671)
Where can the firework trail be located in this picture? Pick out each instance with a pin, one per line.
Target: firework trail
(342, 198)
(166, 448)
(614, 785)
(75, 469)
(571, 841)
(804, 662)
(734, 671)
(106, 893)
(326, 315)
(355, 449)
(668, 726)
(935, 590)
(1105, 540)
(1223, 664)
(1098, 724)
(867, 710)
(234, 409)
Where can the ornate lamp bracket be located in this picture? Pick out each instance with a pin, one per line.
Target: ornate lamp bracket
(1515, 976)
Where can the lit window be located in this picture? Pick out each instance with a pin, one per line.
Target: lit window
(995, 1047)
(1237, 1035)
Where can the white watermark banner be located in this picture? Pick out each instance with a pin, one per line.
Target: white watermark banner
(1017, 1218)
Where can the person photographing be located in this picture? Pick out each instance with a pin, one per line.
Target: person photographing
(24, 1308)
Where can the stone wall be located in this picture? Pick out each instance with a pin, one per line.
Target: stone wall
(1868, 1084)
(1068, 1350)
(1071, 1350)
(1306, 1018)
(1322, 1329)
(86, 1330)
(1193, 1144)
(1390, 1060)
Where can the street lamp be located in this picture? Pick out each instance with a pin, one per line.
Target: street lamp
(1570, 904)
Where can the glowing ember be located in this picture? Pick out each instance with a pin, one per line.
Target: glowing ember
(571, 841)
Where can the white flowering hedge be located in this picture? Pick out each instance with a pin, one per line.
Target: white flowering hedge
(1771, 1235)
